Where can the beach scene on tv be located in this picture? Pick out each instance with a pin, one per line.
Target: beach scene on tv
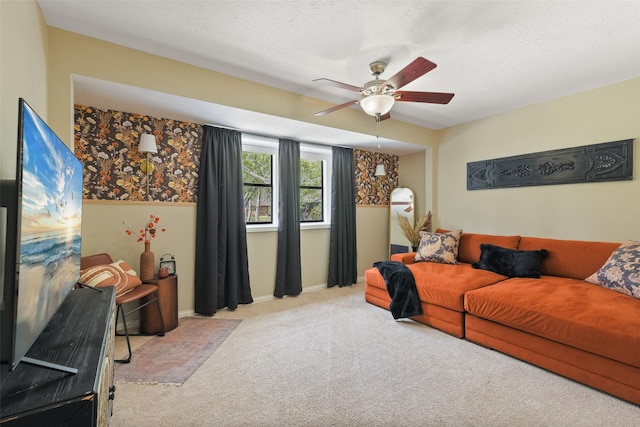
(50, 229)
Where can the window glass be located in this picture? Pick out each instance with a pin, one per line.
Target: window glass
(311, 191)
(257, 173)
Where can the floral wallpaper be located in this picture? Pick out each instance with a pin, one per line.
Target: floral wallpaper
(106, 142)
(371, 189)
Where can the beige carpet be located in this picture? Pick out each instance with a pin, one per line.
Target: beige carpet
(172, 359)
(328, 358)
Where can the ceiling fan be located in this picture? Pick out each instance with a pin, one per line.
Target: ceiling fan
(378, 96)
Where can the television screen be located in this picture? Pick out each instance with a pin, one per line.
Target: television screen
(49, 191)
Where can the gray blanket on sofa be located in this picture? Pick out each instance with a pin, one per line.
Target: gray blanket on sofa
(401, 287)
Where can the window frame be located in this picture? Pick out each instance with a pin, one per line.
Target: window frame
(262, 145)
(308, 151)
(323, 153)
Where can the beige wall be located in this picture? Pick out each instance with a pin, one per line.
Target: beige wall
(103, 230)
(413, 174)
(372, 230)
(71, 53)
(606, 211)
(23, 72)
(102, 224)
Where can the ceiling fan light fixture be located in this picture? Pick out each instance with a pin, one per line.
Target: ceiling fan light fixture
(375, 105)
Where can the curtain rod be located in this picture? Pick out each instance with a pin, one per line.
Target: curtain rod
(276, 137)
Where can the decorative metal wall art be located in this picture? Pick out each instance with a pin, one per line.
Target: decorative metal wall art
(609, 161)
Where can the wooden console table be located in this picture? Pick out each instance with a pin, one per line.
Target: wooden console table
(168, 298)
(80, 335)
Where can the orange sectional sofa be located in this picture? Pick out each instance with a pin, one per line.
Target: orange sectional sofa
(558, 322)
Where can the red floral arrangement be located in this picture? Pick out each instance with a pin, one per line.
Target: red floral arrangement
(149, 232)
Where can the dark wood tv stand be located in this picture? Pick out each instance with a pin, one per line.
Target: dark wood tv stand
(80, 335)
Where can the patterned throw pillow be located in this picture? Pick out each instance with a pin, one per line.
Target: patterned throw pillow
(439, 247)
(621, 272)
(125, 267)
(118, 274)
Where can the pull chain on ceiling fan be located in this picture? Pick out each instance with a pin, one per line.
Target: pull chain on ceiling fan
(379, 96)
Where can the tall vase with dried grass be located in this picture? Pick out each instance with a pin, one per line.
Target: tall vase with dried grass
(412, 232)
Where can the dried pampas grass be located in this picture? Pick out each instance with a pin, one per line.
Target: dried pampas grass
(412, 233)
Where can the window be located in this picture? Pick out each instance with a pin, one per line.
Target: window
(258, 166)
(311, 190)
(258, 189)
(315, 185)
(260, 177)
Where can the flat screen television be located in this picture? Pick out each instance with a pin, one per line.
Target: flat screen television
(43, 236)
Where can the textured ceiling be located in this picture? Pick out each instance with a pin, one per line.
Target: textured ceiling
(495, 56)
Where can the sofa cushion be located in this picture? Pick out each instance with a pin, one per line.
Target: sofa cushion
(372, 277)
(469, 250)
(441, 284)
(621, 272)
(404, 257)
(438, 247)
(445, 284)
(569, 311)
(569, 258)
(510, 262)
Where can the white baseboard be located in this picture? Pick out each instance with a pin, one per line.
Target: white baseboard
(315, 288)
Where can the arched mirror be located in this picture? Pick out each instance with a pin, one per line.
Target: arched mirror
(402, 203)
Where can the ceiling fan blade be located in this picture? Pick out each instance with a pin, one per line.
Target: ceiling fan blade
(337, 107)
(339, 84)
(420, 66)
(385, 116)
(430, 97)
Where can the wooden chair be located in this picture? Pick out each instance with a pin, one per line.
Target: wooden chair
(137, 294)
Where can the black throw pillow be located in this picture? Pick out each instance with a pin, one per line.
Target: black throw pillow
(510, 262)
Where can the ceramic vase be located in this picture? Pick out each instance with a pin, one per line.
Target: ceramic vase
(163, 272)
(147, 262)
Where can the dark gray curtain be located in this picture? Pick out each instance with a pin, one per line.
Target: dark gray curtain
(343, 268)
(222, 268)
(289, 268)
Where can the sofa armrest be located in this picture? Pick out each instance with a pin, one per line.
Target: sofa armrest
(405, 258)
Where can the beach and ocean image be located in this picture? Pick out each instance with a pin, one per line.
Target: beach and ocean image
(50, 229)
(49, 268)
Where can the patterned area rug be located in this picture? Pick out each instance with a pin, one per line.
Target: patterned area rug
(173, 358)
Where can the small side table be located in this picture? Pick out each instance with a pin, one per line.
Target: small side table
(168, 298)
